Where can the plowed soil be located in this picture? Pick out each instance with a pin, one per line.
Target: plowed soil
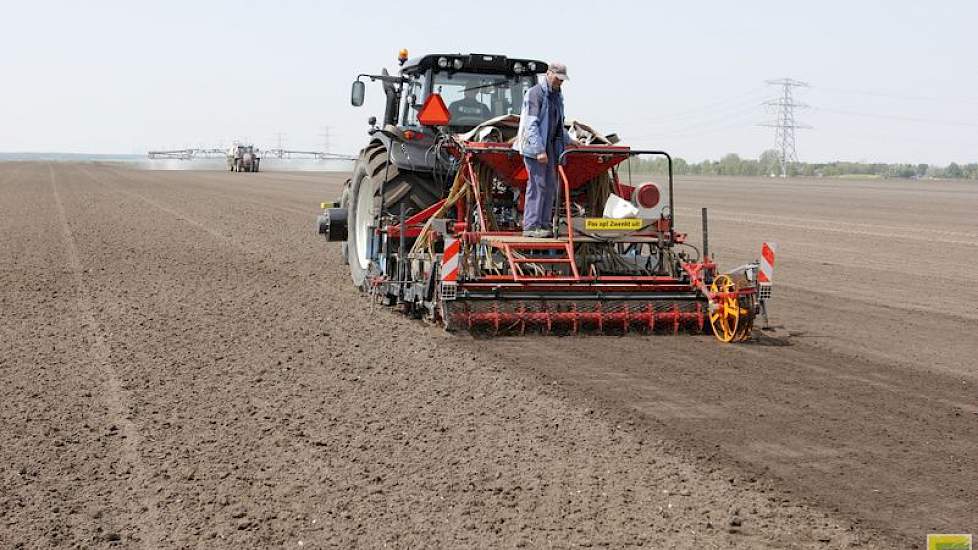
(185, 364)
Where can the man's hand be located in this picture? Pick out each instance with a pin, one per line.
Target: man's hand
(542, 158)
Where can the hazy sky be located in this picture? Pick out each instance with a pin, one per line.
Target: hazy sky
(891, 80)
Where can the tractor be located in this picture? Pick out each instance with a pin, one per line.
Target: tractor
(243, 158)
(430, 220)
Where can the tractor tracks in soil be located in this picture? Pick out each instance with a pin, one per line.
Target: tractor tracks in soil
(118, 401)
(308, 451)
(852, 433)
(214, 182)
(161, 207)
(921, 234)
(267, 410)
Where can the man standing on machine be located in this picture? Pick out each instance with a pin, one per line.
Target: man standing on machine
(541, 140)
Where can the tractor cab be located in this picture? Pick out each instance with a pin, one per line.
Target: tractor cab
(474, 88)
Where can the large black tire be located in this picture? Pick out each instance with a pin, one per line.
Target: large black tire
(358, 271)
(345, 203)
(416, 191)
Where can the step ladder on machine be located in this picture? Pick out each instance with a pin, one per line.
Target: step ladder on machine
(518, 249)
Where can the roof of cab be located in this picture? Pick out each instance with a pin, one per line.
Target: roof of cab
(473, 62)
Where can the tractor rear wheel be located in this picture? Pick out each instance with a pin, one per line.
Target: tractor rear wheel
(415, 191)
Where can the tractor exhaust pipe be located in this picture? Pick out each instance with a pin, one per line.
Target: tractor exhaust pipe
(706, 237)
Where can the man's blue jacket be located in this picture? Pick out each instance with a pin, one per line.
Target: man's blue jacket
(535, 123)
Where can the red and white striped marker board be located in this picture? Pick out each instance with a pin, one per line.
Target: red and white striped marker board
(766, 273)
(449, 260)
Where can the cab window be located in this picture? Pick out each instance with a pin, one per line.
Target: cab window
(473, 98)
(414, 94)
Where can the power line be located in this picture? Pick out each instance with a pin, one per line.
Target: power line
(785, 124)
(706, 115)
(740, 119)
(901, 118)
(708, 110)
(904, 97)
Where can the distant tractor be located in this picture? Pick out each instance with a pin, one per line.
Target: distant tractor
(243, 158)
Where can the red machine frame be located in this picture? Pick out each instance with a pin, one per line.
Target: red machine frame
(576, 167)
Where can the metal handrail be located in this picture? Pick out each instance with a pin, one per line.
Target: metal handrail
(620, 151)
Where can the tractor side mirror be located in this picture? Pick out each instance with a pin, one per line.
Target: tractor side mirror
(356, 95)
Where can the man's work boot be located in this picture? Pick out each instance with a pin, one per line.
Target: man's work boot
(538, 233)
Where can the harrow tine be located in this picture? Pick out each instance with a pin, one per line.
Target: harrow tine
(546, 311)
(575, 317)
(549, 317)
(495, 318)
(522, 318)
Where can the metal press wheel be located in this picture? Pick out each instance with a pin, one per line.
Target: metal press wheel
(729, 319)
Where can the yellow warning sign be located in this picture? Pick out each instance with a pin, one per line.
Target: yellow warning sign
(612, 224)
(948, 542)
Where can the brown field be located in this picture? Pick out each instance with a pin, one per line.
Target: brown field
(184, 364)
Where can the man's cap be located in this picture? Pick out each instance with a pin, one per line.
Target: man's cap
(560, 70)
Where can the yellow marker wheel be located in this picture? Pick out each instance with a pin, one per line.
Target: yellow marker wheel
(746, 321)
(731, 321)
